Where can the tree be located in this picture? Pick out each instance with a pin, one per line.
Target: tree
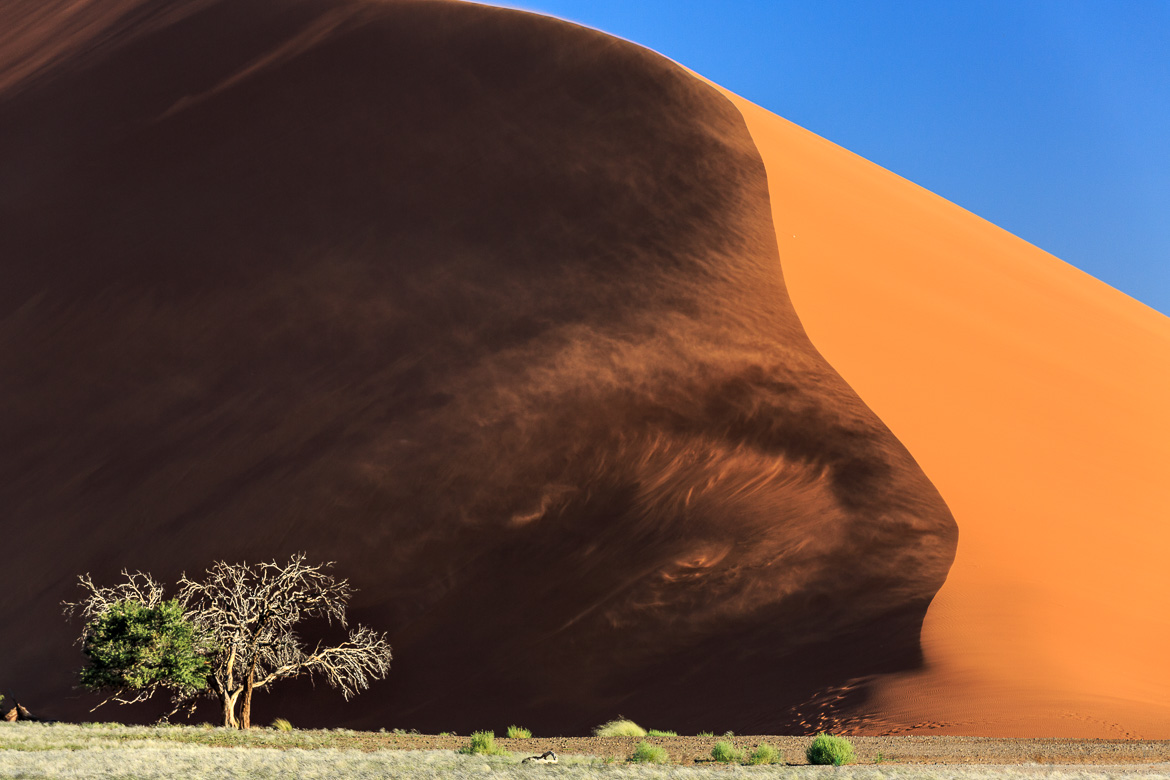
(244, 621)
(252, 612)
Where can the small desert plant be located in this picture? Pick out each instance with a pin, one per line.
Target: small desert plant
(705, 734)
(830, 750)
(280, 724)
(483, 743)
(725, 753)
(660, 733)
(764, 754)
(619, 728)
(646, 753)
(519, 732)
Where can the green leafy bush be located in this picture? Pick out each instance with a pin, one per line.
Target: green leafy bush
(133, 647)
(764, 754)
(646, 753)
(483, 743)
(826, 749)
(619, 728)
(280, 724)
(660, 733)
(725, 753)
(519, 732)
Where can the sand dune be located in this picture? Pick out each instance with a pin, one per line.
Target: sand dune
(494, 310)
(1036, 399)
(484, 306)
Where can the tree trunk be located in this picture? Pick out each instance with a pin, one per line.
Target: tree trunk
(247, 713)
(229, 710)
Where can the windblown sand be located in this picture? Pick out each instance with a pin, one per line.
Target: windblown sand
(484, 306)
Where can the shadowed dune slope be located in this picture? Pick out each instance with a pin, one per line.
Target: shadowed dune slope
(1037, 400)
(484, 306)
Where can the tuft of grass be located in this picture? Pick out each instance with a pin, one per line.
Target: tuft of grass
(519, 732)
(619, 728)
(646, 753)
(826, 749)
(483, 743)
(725, 753)
(660, 733)
(280, 724)
(705, 734)
(764, 754)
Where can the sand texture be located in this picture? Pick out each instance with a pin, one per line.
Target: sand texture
(484, 306)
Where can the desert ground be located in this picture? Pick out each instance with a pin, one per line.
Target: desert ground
(30, 750)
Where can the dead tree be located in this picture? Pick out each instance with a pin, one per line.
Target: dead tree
(252, 613)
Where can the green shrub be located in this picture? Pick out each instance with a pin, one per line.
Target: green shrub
(619, 728)
(646, 753)
(725, 753)
(660, 733)
(280, 724)
(830, 750)
(483, 743)
(705, 734)
(764, 754)
(133, 647)
(519, 732)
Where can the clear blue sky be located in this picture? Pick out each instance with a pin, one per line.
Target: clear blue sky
(1050, 118)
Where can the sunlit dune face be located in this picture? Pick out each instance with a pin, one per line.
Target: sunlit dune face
(488, 309)
(1035, 398)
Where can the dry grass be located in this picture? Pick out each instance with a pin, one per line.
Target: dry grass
(619, 728)
(34, 752)
(199, 762)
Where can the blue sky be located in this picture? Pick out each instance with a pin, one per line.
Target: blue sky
(1050, 118)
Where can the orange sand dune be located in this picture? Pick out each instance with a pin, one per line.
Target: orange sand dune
(1037, 400)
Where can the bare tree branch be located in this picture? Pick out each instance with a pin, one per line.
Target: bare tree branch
(350, 666)
(139, 586)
